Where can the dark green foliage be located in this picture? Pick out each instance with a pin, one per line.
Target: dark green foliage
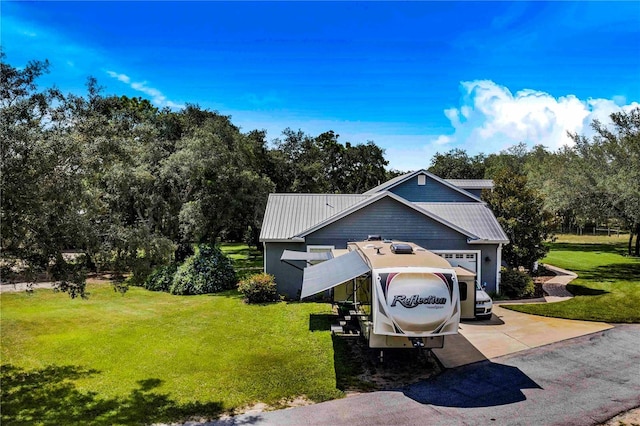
(161, 278)
(520, 212)
(259, 288)
(515, 284)
(207, 271)
(456, 164)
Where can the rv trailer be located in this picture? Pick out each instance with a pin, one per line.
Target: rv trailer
(399, 294)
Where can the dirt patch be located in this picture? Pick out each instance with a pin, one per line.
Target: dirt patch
(359, 368)
(543, 275)
(261, 407)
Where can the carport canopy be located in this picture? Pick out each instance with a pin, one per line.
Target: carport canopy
(333, 272)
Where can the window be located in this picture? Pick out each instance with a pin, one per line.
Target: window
(422, 180)
(459, 256)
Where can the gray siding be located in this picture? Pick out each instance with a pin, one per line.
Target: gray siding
(388, 218)
(288, 278)
(433, 191)
(476, 192)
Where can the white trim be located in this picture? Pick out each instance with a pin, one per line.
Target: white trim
(264, 257)
(283, 240)
(478, 254)
(499, 266)
(422, 180)
(479, 241)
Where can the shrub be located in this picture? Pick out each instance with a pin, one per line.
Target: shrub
(207, 271)
(515, 284)
(259, 288)
(161, 278)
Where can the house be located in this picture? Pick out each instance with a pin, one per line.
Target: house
(446, 217)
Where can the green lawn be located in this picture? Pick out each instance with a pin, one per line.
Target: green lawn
(246, 260)
(608, 283)
(147, 357)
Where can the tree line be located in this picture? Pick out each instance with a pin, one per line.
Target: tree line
(594, 181)
(134, 186)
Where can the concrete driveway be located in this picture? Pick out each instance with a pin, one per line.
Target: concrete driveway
(585, 380)
(509, 332)
(514, 369)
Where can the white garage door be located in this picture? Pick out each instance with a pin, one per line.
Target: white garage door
(467, 260)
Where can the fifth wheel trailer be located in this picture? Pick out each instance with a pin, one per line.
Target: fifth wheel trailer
(401, 295)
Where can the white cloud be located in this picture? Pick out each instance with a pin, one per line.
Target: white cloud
(491, 118)
(122, 77)
(157, 97)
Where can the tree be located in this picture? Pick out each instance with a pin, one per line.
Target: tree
(520, 211)
(605, 172)
(456, 164)
(42, 198)
(513, 158)
(321, 164)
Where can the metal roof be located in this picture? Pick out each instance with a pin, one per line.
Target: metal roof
(287, 215)
(476, 218)
(471, 183)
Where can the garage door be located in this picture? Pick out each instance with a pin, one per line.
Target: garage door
(467, 260)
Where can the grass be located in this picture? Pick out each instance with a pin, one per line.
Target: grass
(246, 260)
(608, 284)
(150, 357)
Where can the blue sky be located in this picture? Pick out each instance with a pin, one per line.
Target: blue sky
(414, 77)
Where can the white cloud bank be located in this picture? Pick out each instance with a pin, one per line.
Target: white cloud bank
(491, 118)
(156, 95)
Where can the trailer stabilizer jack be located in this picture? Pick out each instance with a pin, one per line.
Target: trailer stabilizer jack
(417, 342)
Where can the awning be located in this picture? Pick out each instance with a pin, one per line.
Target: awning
(290, 255)
(305, 255)
(326, 275)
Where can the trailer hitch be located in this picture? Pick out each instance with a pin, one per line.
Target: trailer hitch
(417, 342)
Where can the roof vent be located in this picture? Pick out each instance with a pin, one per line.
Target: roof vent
(374, 238)
(400, 248)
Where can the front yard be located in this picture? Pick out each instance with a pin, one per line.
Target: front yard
(146, 356)
(608, 284)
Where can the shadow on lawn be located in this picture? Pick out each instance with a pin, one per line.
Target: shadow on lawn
(49, 396)
(617, 272)
(605, 248)
(321, 322)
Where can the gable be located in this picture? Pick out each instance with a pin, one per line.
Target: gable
(388, 218)
(432, 191)
(425, 187)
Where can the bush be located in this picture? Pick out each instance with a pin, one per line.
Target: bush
(207, 271)
(259, 288)
(161, 278)
(516, 284)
